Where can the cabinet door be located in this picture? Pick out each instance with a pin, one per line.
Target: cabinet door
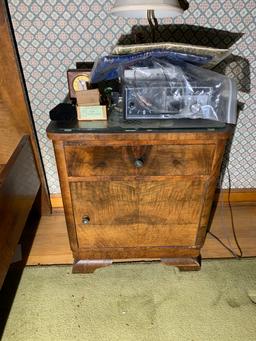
(137, 213)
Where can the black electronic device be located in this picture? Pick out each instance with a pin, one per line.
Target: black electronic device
(176, 92)
(159, 101)
(63, 112)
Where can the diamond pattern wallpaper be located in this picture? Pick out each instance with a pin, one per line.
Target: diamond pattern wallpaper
(52, 35)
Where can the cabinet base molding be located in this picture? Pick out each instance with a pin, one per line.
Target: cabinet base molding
(183, 264)
(89, 266)
(138, 253)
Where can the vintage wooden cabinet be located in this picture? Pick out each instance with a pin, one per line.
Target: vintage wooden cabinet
(137, 194)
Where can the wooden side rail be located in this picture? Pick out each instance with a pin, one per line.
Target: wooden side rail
(19, 185)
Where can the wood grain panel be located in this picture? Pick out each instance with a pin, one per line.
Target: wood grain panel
(160, 160)
(15, 115)
(106, 203)
(137, 213)
(116, 202)
(236, 197)
(139, 235)
(210, 191)
(62, 171)
(176, 201)
(13, 111)
(95, 161)
(137, 253)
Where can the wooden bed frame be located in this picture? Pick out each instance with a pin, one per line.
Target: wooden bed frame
(19, 186)
(22, 175)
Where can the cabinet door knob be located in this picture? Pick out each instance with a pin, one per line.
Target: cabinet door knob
(86, 220)
(139, 163)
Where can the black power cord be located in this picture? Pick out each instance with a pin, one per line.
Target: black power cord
(236, 255)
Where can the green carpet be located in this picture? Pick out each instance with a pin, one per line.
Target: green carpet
(136, 302)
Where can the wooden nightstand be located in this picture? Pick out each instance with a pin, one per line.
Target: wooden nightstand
(137, 190)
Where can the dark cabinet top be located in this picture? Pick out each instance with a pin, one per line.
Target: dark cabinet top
(117, 124)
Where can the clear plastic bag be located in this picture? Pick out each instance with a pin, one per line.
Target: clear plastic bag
(156, 88)
(108, 67)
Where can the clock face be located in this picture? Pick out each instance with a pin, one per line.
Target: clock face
(79, 82)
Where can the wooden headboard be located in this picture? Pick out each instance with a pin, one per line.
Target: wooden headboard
(15, 115)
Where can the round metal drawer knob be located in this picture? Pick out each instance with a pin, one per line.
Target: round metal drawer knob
(86, 220)
(139, 163)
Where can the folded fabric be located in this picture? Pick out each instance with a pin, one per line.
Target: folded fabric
(217, 54)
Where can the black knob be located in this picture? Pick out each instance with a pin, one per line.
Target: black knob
(86, 220)
(139, 163)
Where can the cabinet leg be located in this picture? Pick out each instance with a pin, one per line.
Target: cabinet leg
(89, 266)
(183, 264)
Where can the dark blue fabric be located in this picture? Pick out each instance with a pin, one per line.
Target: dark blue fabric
(109, 67)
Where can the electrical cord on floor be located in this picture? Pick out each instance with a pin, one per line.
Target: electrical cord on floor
(239, 256)
(236, 255)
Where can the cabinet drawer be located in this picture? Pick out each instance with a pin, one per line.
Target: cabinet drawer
(148, 160)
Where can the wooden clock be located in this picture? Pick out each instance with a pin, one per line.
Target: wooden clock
(78, 80)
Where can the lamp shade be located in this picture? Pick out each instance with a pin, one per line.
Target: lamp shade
(139, 8)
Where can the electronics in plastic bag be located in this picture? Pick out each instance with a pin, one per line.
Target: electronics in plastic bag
(162, 90)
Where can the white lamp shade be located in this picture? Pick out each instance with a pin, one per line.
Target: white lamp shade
(139, 8)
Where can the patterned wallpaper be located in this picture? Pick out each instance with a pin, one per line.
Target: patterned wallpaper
(52, 35)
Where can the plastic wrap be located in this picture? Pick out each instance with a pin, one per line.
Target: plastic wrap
(159, 89)
(109, 67)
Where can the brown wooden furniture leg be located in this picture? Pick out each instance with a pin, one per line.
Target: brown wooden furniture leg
(89, 266)
(183, 264)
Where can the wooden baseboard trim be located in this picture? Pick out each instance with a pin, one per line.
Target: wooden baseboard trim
(236, 196)
(56, 201)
